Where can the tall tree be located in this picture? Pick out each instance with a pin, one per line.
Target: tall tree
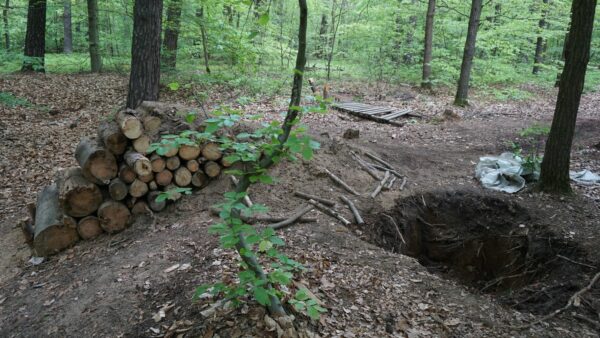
(94, 36)
(6, 26)
(170, 41)
(462, 92)
(144, 79)
(200, 15)
(539, 44)
(67, 28)
(554, 176)
(428, 49)
(35, 38)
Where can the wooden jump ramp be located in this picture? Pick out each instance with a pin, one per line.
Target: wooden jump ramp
(375, 113)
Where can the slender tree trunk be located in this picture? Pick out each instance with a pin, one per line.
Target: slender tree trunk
(68, 31)
(35, 38)
(200, 14)
(539, 44)
(410, 37)
(322, 50)
(462, 92)
(94, 38)
(334, 29)
(554, 177)
(144, 79)
(428, 50)
(563, 56)
(6, 26)
(171, 34)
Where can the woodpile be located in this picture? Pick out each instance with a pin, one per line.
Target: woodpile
(117, 179)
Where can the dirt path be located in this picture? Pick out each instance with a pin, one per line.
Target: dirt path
(113, 286)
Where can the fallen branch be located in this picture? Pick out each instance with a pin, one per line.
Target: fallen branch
(370, 170)
(307, 197)
(379, 160)
(575, 300)
(403, 184)
(575, 262)
(357, 217)
(329, 212)
(390, 183)
(396, 226)
(340, 182)
(292, 219)
(265, 218)
(380, 185)
(590, 321)
(383, 168)
(247, 200)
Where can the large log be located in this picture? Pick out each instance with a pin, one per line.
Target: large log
(114, 216)
(211, 151)
(112, 138)
(141, 144)
(164, 178)
(50, 233)
(138, 188)
(78, 197)
(212, 169)
(183, 177)
(89, 227)
(126, 174)
(139, 163)
(117, 189)
(129, 123)
(98, 164)
(158, 163)
(150, 116)
(155, 205)
(199, 179)
(188, 152)
(173, 163)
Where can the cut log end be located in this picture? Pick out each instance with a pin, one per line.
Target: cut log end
(114, 216)
(188, 152)
(211, 151)
(89, 228)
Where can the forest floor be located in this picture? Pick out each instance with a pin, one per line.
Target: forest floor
(457, 286)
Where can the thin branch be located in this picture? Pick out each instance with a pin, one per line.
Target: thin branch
(307, 197)
(330, 212)
(292, 219)
(340, 182)
(357, 216)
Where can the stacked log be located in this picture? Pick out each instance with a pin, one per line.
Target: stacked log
(118, 179)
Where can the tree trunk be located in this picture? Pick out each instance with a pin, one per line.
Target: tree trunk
(35, 38)
(94, 38)
(68, 32)
(6, 26)
(334, 29)
(144, 79)
(200, 15)
(462, 92)
(138, 188)
(539, 44)
(554, 176)
(410, 36)
(171, 34)
(51, 235)
(428, 50)
(322, 51)
(164, 178)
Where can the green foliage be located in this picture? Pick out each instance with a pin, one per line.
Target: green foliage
(532, 159)
(11, 101)
(172, 194)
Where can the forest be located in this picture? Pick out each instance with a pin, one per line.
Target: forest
(299, 168)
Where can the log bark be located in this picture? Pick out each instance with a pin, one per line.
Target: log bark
(428, 46)
(117, 189)
(153, 204)
(187, 152)
(139, 163)
(114, 216)
(138, 188)
(112, 138)
(98, 164)
(199, 179)
(192, 166)
(89, 227)
(183, 177)
(462, 91)
(211, 152)
(78, 197)
(126, 174)
(94, 36)
(173, 163)
(141, 144)
(158, 163)
(130, 124)
(50, 233)
(164, 178)
(212, 169)
(35, 37)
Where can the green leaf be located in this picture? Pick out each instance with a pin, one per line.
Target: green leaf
(263, 20)
(264, 246)
(261, 295)
(173, 86)
(313, 313)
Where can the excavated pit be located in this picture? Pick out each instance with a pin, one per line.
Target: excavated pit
(488, 243)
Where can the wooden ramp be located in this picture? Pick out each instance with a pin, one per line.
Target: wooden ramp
(374, 113)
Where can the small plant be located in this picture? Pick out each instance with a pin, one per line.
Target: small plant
(532, 159)
(11, 101)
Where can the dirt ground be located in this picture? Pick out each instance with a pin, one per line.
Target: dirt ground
(116, 285)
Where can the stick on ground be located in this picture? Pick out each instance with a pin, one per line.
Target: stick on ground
(330, 212)
(357, 217)
(327, 202)
(370, 170)
(396, 226)
(340, 182)
(377, 159)
(292, 219)
(380, 185)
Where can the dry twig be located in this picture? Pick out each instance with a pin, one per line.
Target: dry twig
(370, 170)
(340, 182)
(396, 226)
(357, 216)
(292, 219)
(380, 185)
(330, 212)
(327, 202)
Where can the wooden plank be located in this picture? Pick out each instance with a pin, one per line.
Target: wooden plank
(396, 114)
(374, 110)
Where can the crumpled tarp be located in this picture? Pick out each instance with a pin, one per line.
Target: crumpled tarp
(506, 173)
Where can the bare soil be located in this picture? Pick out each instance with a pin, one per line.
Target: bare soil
(482, 263)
